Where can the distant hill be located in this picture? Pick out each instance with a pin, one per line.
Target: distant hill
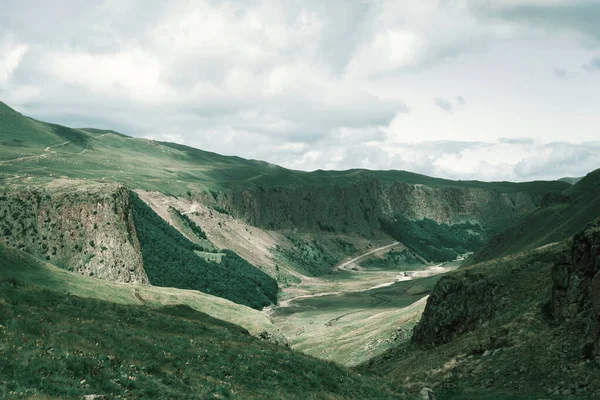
(570, 180)
(38, 149)
(559, 217)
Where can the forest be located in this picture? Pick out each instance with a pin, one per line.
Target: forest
(435, 242)
(170, 261)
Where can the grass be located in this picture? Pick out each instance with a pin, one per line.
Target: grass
(70, 346)
(548, 224)
(177, 169)
(21, 267)
(528, 355)
(353, 326)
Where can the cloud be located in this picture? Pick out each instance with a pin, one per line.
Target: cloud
(449, 105)
(11, 54)
(593, 65)
(519, 160)
(409, 37)
(522, 141)
(559, 72)
(580, 16)
(560, 159)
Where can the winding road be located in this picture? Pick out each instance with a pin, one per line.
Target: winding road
(344, 265)
(286, 303)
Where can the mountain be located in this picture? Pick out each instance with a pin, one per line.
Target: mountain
(153, 269)
(570, 180)
(520, 319)
(260, 193)
(561, 215)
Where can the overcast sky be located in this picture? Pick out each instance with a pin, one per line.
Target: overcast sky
(488, 89)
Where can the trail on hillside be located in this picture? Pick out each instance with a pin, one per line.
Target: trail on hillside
(48, 152)
(286, 303)
(343, 266)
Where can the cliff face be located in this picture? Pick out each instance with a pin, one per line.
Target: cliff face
(352, 208)
(450, 205)
(459, 304)
(358, 207)
(85, 228)
(576, 287)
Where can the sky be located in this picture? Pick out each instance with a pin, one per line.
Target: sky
(460, 89)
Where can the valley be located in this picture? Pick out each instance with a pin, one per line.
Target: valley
(175, 272)
(355, 314)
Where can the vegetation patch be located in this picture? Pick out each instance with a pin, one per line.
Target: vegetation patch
(189, 223)
(435, 242)
(310, 256)
(170, 261)
(69, 347)
(401, 260)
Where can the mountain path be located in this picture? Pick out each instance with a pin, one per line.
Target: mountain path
(286, 303)
(48, 151)
(344, 265)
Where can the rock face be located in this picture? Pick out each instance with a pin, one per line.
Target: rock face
(450, 205)
(459, 303)
(358, 207)
(576, 286)
(353, 208)
(85, 228)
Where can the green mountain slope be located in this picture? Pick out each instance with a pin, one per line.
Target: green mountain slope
(557, 219)
(173, 168)
(488, 333)
(28, 270)
(70, 346)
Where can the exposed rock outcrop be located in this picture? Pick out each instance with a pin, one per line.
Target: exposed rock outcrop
(352, 208)
(459, 303)
(576, 289)
(357, 207)
(490, 208)
(87, 228)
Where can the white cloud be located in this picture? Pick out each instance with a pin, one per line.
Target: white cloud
(132, 73)
(11, 54)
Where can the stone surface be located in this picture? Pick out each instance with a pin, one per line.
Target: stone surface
(87, 228)
(451, 309)
(576, 286)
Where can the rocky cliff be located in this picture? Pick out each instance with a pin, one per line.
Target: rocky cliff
(353, 207)
(576, 287)
(357, 207)
(459, 304)
(489, 207)
(83, 227)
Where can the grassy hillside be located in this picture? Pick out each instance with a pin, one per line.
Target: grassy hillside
(24, 268)
(170, 261)
(553, 222)
(172, 168)
(350, 328)
(388, 177)
(71, 346)
(435, 242)
(490, 335)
